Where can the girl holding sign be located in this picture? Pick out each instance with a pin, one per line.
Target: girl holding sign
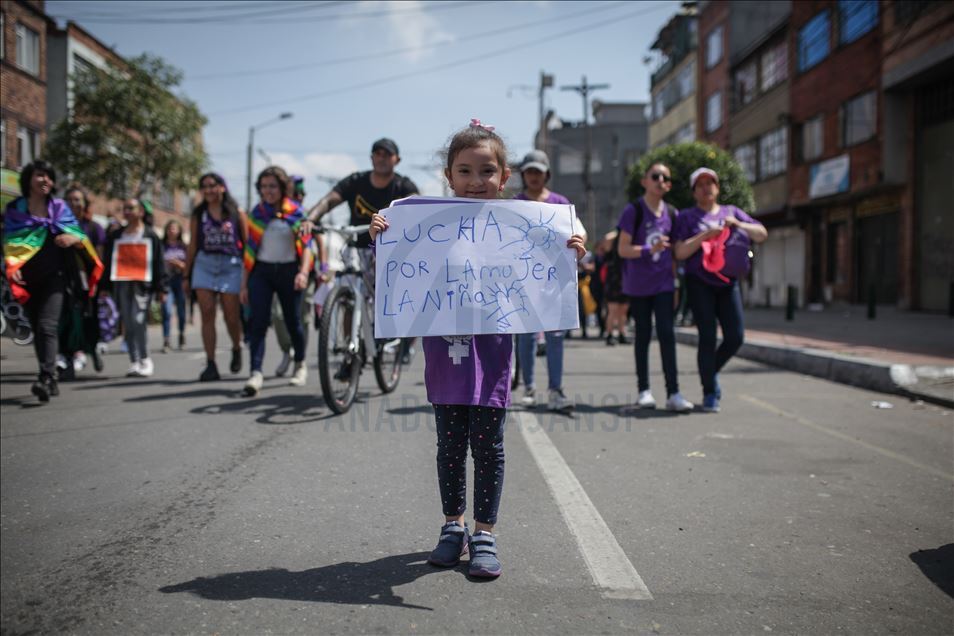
(135, 272)
(468, 380)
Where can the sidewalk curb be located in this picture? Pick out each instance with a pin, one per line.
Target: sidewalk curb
(898, 379)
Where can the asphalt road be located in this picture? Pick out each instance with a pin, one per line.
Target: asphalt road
(168, 506)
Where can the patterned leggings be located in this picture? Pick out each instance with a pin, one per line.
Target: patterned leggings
(483, 428)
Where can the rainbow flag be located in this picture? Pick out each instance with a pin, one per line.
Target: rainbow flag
(290, 212)
(24, 235)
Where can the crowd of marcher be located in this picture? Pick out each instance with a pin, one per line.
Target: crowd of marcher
(266, 268)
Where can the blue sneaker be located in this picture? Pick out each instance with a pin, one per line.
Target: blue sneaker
(451, 546)
(710, 403)
(483, 555)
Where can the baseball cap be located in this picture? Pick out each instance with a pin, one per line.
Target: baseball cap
(536, 159)
(698, 172)
(385, 144)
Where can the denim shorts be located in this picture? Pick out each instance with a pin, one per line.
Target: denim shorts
(220, 273)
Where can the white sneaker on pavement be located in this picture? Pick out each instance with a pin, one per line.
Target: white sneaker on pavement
(283, 365)
(254, 384)
(646, 400)
(529, 398)
(559, 402)
(678, 403)
(135, 370)
(79, 361)
(146, 368)
(300, 376)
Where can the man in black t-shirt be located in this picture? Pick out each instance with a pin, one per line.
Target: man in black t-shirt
(370, 191)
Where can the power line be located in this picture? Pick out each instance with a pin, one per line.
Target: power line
(440, 67)
(143, 10)
(408, 49)
(255, 17)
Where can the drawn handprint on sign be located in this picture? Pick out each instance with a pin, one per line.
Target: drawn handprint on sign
(534, 235)
(505, 301)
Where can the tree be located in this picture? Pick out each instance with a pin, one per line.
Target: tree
(128, 131)
(682, 159)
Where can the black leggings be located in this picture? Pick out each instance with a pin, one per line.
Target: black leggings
(709, 305)
(43, 309)
(483, 428)
(643, 308)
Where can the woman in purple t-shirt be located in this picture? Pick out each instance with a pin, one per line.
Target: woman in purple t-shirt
(713, 295)
(648, 278)
(174, 256)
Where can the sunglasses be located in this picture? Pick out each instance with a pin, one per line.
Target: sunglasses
(658, 176)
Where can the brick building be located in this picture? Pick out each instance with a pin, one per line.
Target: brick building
(836, 182)
(918, 120)
(23, 87)
(743, 105)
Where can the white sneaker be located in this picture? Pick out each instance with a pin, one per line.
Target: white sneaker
(79, 361)
(300, 375)
(678, 403)
(254, 384)
(135, 370)
(283, 365)
(529, 397)
(646, 400)
(559, 402)
(60, 361)
(146, 367)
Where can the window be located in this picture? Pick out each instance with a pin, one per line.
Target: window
(745, 85)
(687, 81)
(745, 156)
(27, 145)
(714, 111)
(813, 138)
(714, 47)
(674, 91)
(773, 150)
(855, 18)
(774, 66)
(686, 133)
(3, 143)
(859, 119)
(82, 65)
(813, 41)
(28, 49)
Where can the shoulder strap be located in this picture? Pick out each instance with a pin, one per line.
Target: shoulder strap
(637, 218)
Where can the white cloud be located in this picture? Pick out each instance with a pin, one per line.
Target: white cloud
(408, 27)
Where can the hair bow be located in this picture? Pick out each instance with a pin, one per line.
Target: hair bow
(475, 123)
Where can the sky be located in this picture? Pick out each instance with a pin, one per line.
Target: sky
(351, 72)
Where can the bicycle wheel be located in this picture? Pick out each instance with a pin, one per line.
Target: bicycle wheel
(387, 364)
(338, 368)
(22, 333)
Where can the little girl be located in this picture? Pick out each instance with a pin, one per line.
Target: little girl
(470, 400)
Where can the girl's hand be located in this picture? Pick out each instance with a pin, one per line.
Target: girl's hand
(243, 295)
(301, 280)
(65, 240)
(577, 242)
(379, 223)
(660, 245)
(17, 277)
(731, 221)
(305, 229)
(709, 234)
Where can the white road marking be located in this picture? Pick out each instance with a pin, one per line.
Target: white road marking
(609, 566)
(847, 438)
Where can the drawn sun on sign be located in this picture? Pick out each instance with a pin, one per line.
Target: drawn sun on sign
(505, 301)
(534, 235)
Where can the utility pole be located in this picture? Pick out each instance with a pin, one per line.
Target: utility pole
(546, 81)
(584, 89)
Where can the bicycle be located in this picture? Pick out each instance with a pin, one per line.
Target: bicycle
(346, 331)
(13, 316)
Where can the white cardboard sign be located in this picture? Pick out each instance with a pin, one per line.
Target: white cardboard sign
(454, 267)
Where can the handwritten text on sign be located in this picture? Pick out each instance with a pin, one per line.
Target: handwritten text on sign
(449, 267)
